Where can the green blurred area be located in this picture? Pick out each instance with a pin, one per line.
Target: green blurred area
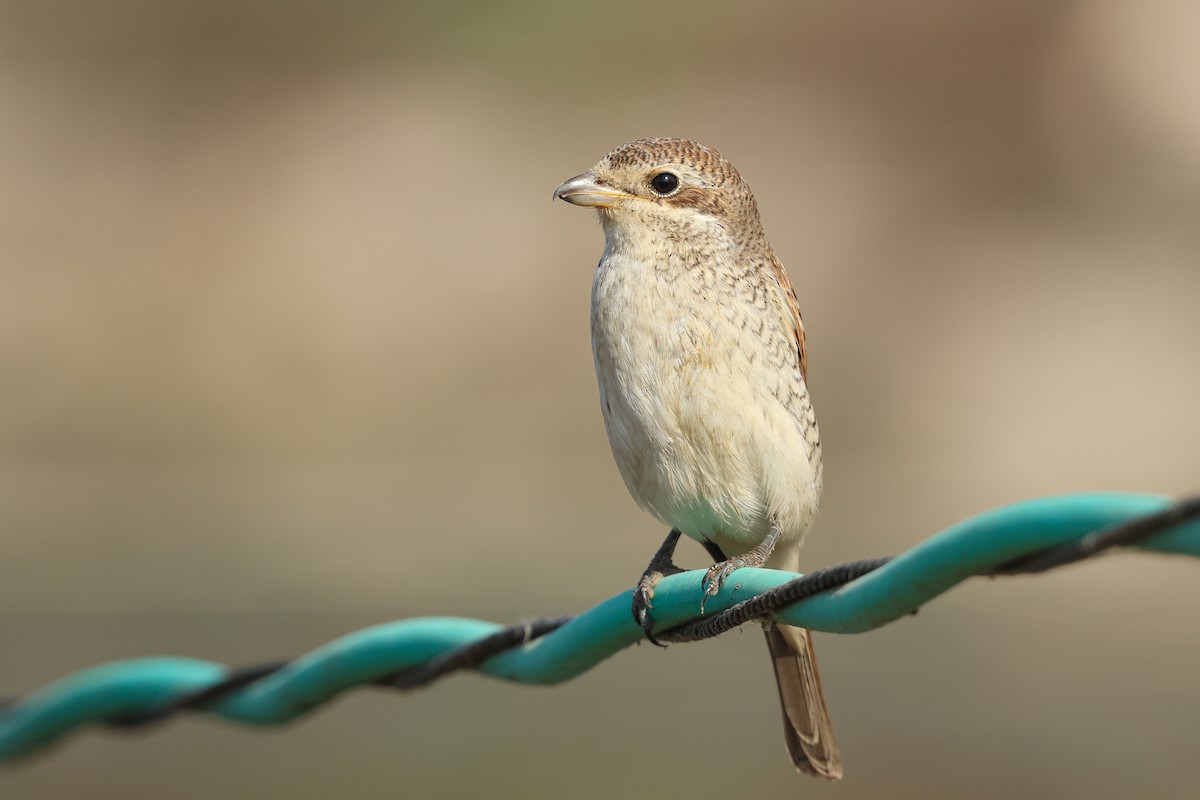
(293, 341)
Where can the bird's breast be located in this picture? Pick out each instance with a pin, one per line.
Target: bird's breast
(691, 358)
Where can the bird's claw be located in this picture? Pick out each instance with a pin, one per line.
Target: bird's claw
(643, 594)
(716, 576)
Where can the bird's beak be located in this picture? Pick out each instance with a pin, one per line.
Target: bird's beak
(583, 190)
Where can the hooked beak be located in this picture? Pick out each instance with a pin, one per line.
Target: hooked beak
(583, 190)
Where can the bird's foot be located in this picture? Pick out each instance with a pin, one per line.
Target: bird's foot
(643, 594)
(717, 574)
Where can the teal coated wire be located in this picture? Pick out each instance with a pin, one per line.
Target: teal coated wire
(979, 545)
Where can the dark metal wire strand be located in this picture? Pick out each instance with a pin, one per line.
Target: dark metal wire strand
(758, 607)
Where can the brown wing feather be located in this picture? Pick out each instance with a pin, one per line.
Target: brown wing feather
(789, 297)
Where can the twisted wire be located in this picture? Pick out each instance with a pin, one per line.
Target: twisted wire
(1029, 537)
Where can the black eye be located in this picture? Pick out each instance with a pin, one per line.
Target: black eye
(664, 183)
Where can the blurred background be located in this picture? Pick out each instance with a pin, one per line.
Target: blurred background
(293, 341)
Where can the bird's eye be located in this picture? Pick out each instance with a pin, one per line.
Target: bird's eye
(664, 183)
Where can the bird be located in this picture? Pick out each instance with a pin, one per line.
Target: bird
(702, 370)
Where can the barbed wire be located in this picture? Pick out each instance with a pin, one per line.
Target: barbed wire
(1028, 537)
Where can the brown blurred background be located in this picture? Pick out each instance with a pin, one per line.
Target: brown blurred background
(293, 341)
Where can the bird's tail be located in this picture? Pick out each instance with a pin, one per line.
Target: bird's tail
(806, 724)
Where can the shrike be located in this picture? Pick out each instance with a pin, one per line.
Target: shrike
(700, 357)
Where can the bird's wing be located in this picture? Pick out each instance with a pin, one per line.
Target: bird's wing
(793, 306)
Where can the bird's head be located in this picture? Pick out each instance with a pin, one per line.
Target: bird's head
(665, 185)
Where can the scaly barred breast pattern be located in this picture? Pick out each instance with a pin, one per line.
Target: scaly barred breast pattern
(703, 398)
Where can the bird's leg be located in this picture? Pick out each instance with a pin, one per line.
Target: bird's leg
(659, 567)
(714, 551)
(717, 573)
